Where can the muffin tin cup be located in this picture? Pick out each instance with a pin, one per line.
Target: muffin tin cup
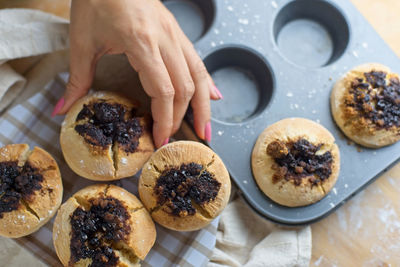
(195, 17)
(245, 80)
(278, 59)
(311, 33)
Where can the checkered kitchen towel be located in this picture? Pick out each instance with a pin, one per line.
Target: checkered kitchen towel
(30, 122)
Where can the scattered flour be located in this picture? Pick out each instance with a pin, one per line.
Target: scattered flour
(318, 262)
(334, 190)
(243, 21)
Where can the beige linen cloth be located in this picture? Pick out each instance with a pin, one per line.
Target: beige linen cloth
(243, 238)
(246, 239)
(25, 33)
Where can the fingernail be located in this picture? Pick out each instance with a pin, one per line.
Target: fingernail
(207, 132)
(58, 107)
(166, 141)
(218, 92)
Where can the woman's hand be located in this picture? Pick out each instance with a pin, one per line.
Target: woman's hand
(170, 70)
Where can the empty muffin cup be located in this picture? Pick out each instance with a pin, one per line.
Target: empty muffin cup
(245, 80)
(194, 17)
(318, 28)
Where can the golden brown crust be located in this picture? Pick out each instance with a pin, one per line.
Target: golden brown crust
(285, 192)
(354, 126)
(139, 241)
(95, 163)
(14, 152)
(36, 211)
(175, 154)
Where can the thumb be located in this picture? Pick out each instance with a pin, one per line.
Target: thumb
(82, 70)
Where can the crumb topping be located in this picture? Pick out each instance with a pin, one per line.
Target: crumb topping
(180, 187)
(297, 160)
(102, 123)
(17, 183)
(95, 231)
(373, 102)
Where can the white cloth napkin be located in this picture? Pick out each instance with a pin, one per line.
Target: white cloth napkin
(243, 239)
(24, 33)
(246, 239)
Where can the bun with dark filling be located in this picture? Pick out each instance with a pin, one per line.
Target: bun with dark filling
(103, 225)
(184, 186)
(365, 104)
(104, 138)
(30, 189)
(295, 162)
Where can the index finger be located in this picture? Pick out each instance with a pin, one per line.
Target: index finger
(157, 84)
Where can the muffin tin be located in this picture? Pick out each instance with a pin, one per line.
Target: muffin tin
(278, 59)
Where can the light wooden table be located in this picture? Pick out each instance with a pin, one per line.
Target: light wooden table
(366, 230)
(57, 7)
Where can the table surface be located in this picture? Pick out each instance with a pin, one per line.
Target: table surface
(366, 230)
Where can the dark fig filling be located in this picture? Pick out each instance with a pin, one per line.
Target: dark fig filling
(16, 184)
(297, 160)
(106, 123)
(375, 98)
(94, 232)
(179, 187)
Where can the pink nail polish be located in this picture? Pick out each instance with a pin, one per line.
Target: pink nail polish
(166, 141)
(58, 107)
(218, 92)
(207, 132)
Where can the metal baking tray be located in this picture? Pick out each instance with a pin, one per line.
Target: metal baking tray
(277, 59)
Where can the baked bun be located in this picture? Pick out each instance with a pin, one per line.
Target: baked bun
(295, 162)
(184, 186)
(30, 189)
(102, 138)
(365, 104)
(103, 225)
